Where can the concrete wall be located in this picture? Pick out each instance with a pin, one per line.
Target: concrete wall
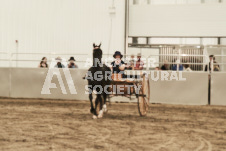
(4, 82)
(28, 83)
(193, 91)
(218, 88)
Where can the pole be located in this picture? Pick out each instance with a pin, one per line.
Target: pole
(126, 26)
(17, 49)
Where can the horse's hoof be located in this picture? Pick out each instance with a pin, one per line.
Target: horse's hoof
(100, 114)
(105, 108)
(94, 117)
(92, 111)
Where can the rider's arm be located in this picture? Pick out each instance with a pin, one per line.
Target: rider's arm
(122, 67)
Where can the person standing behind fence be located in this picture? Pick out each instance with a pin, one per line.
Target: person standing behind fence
(72, 63)
(187, 67)
(157, 69)
(165, 66)
(43, 63)
(139, 64)
(216, 67)
(180, 66)
(59, 64)
(130, 64)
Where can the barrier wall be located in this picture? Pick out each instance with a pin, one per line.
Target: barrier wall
(4, 82)
(193, 91)
(218, 89)
(28, 83)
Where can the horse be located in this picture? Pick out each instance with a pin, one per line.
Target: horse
(98, 95)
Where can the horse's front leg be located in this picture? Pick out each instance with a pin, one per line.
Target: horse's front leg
(93, 100)
(91, 104)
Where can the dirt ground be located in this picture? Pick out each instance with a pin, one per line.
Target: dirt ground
(67, 125)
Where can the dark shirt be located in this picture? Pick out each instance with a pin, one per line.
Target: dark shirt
(46, 65)
(59, 65)
(72, 65)
(163, 68)
(116, 67)
(206, 67)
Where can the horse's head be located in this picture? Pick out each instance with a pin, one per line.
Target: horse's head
(97, 52)
(96, 46)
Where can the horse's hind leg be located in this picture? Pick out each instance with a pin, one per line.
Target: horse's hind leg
(105, 105)
(100, 100)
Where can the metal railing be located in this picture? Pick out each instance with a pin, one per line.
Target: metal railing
(176, 2)
(12, 59)
(11, 56)
(5, 59)
(219, 52)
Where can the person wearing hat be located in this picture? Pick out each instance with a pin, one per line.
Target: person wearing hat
(139, 64)
(72, 63)
(118, 66)
(59, 64)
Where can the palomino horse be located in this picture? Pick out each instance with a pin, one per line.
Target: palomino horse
(96, 85)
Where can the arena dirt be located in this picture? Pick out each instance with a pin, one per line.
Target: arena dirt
(67, 125)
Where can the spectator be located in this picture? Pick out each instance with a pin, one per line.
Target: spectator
(187, 67)
(59, 64)
(132, 60)
(130, 65)
(216, 66)
(157, 68)
(72, 63)
(118, 66)
(139, 64)
(165, 66)
(43, 63)
(174, 67)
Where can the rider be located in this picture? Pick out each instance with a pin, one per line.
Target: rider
(118, 66)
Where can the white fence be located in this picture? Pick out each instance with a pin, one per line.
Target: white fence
(174, 2)
(194, 55)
